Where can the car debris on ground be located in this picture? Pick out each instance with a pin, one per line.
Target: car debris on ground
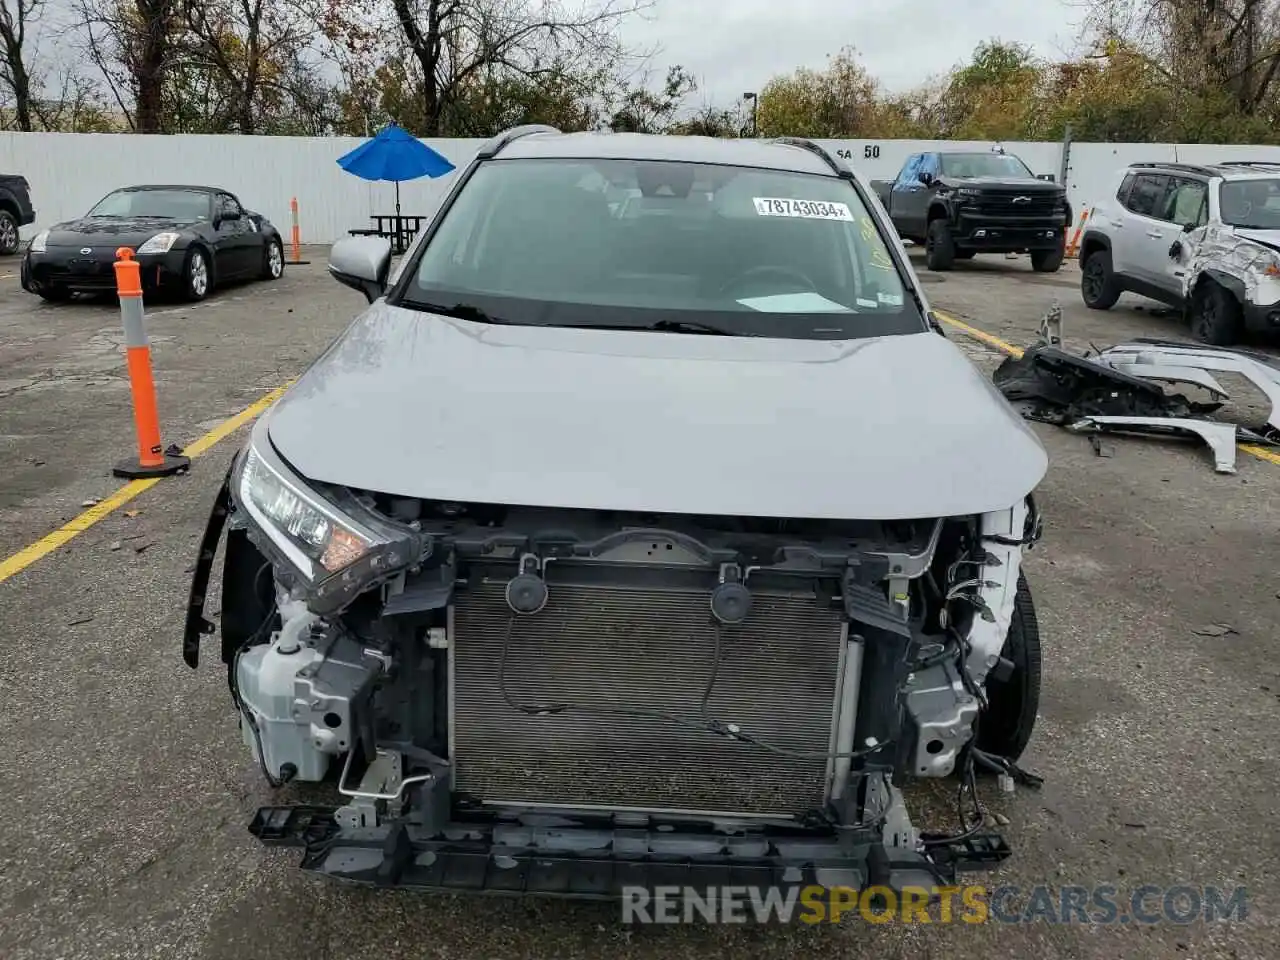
(1122, 389)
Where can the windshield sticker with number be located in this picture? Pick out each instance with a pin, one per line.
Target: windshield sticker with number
(803, 209)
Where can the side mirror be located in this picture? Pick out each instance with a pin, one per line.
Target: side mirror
(231, 214)
(1188, 227)
(1175, 251)
(362, 263)
(925, 177)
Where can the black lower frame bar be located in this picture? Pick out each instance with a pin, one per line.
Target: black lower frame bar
(393, 856)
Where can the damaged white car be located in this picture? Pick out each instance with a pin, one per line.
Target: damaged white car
(1202, 238)
(624, 543)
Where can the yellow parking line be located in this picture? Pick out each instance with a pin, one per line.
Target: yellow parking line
(11, 566)
(1262, 453)
(25, 557)
(989, 339)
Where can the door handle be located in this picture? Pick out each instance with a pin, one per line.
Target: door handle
(1154, 234)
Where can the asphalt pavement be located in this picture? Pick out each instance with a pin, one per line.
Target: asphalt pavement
(128, 789)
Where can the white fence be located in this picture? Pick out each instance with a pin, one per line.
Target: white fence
(70, 172)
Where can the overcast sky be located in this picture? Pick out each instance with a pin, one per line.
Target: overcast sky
(733, 46)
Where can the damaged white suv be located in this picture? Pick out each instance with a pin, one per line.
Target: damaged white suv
(622, 543)
(1203, 238)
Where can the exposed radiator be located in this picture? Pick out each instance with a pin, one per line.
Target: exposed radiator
(608, 647)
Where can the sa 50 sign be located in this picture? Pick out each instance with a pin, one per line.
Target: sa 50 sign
(870, 151)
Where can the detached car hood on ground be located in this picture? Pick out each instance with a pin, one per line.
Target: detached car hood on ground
(115, 230)
(417, 405)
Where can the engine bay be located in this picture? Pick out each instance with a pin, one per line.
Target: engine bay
(527, 679)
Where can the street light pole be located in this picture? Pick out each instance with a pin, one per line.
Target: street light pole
(755, 106)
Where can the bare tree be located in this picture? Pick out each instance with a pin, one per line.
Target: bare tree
(133, 44)
(1229, 47)
(460, 42)
(15, 72)
(255, 48)
(75, 107)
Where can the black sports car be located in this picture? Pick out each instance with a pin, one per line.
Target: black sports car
(187, 239)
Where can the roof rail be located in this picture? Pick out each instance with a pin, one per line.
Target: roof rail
(495, 144)
(1201, 168)
(1250, 163)
(804, 143)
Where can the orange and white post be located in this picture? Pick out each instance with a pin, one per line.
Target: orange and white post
(1074, 246)
(151, 461)
(296, 238)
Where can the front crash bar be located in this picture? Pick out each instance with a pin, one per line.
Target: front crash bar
(466, 858)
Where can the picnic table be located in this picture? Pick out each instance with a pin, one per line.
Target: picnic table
(400, 229)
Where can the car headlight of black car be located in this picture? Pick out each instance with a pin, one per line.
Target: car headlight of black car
(160, 243)
(39, 243)
(335, 545)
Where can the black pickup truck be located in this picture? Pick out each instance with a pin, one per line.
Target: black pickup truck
(958, 204)
(15, 210)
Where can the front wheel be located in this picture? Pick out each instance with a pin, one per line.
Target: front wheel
(273, 260)
(1216, 315)
(195, 275)
(10, 239)
(1012, 704)
(1049, 261)
(939, 248)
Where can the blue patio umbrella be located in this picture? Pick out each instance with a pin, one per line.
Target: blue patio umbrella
(394, 155)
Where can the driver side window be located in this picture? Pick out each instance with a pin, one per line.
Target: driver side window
(910, 169)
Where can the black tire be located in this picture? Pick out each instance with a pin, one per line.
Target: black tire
(965, 254)
(939, 248)
(196, 266)
(10, 239)
(1216, 315)
(1006, 725)
(1049, 261)
(273, 260)
(54, 294)
(1098, 287)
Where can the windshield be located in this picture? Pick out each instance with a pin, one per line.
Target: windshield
(964, 165)
(1251, 203)
(622, 243)
(170, 204)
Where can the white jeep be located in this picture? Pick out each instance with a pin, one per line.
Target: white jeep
(1202, 238)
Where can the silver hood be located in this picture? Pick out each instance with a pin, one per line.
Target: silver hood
(418, 405)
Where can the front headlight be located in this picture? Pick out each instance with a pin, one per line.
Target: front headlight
(39, 242)
(339, 547)
(160, 243)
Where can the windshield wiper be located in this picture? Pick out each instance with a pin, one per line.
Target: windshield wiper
(463, 311)
(690, 326)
